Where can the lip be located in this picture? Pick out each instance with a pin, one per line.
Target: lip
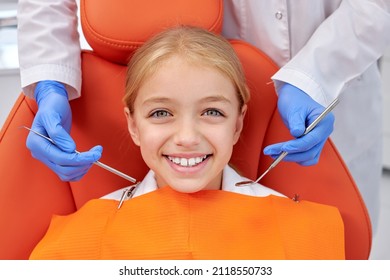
(187, 170)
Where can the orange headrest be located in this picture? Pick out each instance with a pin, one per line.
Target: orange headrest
(103, 22)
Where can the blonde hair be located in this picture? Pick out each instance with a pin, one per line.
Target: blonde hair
(195, 45)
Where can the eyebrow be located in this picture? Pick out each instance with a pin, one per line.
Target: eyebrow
(216, 98)
(157, 100)
(212, 98)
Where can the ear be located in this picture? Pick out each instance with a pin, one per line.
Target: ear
(240, 123)
(132, 126)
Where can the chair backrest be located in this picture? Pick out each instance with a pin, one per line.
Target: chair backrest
(30, 193)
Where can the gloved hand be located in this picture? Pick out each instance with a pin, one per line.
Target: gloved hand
(299, 110)
(54, 119)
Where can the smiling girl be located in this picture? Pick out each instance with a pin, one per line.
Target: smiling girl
(185, 103)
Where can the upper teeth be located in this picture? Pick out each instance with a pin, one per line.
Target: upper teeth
(187, 161)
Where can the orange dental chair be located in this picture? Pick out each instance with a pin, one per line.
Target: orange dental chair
(30, 193)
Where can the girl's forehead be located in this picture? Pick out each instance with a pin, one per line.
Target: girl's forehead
(178, 74)
(179, 60)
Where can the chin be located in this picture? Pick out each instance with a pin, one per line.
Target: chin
(185, 188)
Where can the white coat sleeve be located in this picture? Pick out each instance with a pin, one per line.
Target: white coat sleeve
(350, 40)
(48, 44)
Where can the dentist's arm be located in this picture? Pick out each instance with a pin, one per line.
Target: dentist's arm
(50, 68)
(48, 44)
(320, 71)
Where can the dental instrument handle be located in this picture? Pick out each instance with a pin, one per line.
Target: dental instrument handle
(113, 170)
(321, 116)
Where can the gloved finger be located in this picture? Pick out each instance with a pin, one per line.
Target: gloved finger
(67, 173)
(295, 122)
(313, 161)
(274, 149)
(305, 158)
(303, 144)
(44, 127)
(55, 131)
(38, 145)
(318, 135)
(59, 157)
(297, 145)
(325, 127)
(72, 173)
(82, 158)
(316, 157)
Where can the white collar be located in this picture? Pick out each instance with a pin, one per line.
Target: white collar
(229, 178)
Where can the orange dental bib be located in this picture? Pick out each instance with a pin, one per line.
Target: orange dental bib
(166, 224)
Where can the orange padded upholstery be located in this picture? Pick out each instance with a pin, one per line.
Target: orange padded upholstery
(30, 192)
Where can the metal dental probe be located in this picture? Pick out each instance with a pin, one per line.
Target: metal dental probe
(284, 154)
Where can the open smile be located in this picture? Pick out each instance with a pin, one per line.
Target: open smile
(187, 162)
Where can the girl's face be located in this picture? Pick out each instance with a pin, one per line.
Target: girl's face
(186, 121)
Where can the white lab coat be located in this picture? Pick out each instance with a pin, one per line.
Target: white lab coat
(48, 44)
(327, 48)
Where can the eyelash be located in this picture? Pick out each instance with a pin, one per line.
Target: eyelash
(164, 113)
(157, 114)
(213, 111)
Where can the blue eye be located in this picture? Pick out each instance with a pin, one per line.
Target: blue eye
(213, 113)
(160, 114)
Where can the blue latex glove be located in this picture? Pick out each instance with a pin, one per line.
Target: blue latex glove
(299, 110)
(54, 119)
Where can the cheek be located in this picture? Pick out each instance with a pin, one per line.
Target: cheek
(151, 139)
(223, 138)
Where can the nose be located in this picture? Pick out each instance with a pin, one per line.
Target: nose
(187, 133)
